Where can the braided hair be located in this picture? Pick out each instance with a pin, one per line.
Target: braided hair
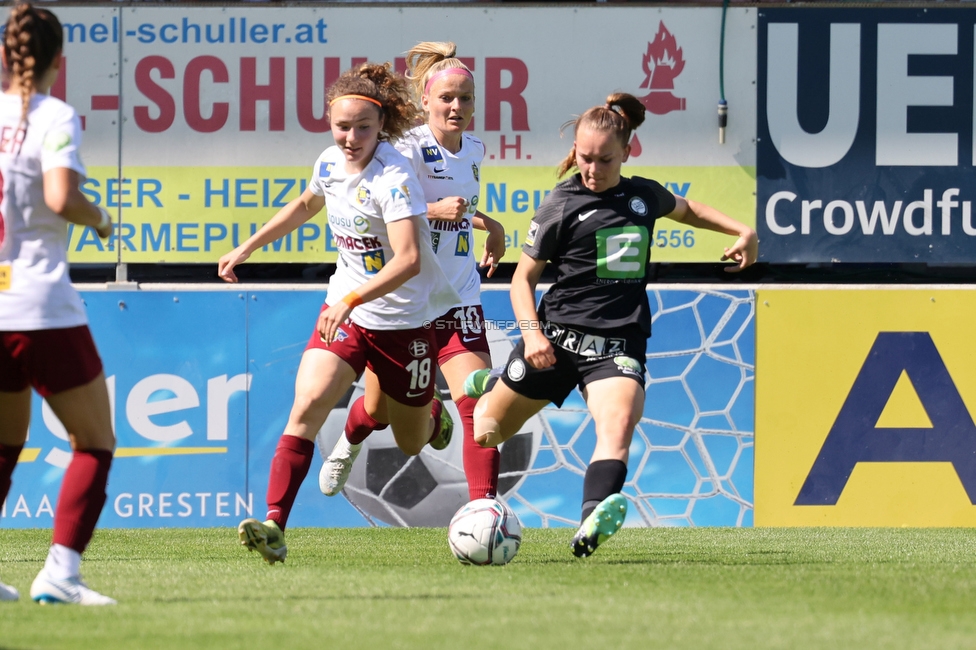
(620, 115)
(32, 40)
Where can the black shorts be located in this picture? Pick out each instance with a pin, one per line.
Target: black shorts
(581, 358)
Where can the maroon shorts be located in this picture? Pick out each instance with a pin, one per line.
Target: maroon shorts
(403, 360)
(52, 361)
(461, 330)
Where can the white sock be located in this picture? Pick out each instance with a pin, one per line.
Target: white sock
(343, 445)
(62, 563)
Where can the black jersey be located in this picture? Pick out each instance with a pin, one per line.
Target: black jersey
(600, 245)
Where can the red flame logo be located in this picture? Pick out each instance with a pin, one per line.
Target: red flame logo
(662, 62)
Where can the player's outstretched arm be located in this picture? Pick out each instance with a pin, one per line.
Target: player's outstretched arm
(63, 195)
(287, 219)
(743, 252)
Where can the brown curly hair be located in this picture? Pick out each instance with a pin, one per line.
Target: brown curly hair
(378, 81)
(620, 115)
(32, 40)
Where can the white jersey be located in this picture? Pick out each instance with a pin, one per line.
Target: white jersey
(443, 174)
(359, 206)
(33, 243)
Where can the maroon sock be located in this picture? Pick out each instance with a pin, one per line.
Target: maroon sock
(289, 467)
(8, 460)
(480, 463)
(359, 423)
(82, 497)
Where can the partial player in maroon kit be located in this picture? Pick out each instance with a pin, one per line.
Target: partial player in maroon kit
(45, 343)
(387, 284)
(447, 161)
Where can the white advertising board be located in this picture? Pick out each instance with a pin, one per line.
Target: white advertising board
(222, 110)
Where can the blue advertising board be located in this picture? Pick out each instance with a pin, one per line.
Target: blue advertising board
(178, 383)
(201, 384)
(865, 135)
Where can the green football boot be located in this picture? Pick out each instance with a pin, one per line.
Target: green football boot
(444, 424)
(481, 381)
(601, 525)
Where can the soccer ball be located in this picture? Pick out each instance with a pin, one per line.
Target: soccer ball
(425, 490)
(484, 531)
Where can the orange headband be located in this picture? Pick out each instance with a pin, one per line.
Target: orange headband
(362, 97)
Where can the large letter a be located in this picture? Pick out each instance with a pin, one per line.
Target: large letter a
(854, 438)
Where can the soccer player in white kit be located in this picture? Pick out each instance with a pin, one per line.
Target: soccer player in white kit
(447, 161)
(386, 285)
(44, 338)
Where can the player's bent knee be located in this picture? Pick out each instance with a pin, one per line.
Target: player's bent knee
(411, 449)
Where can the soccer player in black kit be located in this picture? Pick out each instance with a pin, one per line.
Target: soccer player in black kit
(591, 328)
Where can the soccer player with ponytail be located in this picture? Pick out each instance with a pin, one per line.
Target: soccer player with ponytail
(45, 343)
(591, 328)
(447, 162)
(387, 284)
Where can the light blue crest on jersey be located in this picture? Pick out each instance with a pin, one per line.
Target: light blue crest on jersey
(325, 169)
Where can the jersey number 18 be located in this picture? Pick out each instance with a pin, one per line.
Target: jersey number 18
(419, 373)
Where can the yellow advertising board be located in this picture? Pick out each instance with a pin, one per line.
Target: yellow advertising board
(196, 214)
(863, 408)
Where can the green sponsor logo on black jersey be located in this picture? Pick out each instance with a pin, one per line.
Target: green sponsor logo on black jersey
(622, 252)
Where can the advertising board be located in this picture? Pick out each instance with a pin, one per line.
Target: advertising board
(202, 381)
(863, 408)
(865, 135)
(200, 122)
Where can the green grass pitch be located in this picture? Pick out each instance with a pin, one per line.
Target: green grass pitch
(401, 588)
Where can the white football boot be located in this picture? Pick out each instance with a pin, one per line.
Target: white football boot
(335, 470)
(45, 591)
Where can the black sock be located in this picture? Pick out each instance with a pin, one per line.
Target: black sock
(603, 478)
